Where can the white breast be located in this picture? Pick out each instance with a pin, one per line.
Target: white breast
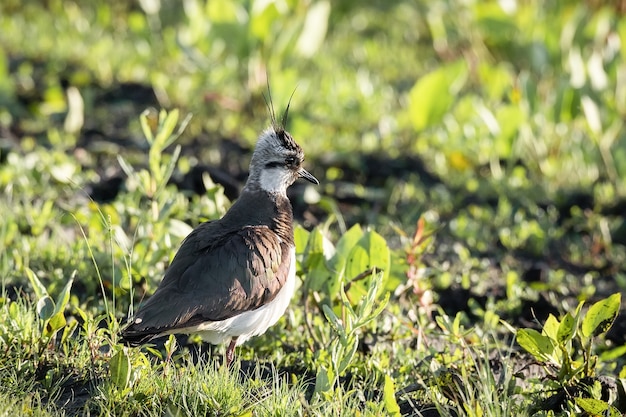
(250, 323)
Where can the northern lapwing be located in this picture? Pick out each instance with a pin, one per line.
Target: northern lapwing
(233, 278)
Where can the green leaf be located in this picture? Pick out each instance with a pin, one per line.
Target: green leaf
(120, 369)
(126, 167)
(14, 310)
(261, 20)
(371, 251)
(38, 287)
(597, 407)
(318, 276)
(348, 352)
(334, 321)
(169, 169)
(314, 30)
(347, 241)
(551, 327)
(389, 398)
(323, 380)
(64, 296)
(145, 125)
(223, 11)
(432, 95)
(301, 237)
(366, 304)
(600, 316)
(45, 307)
(533, 342)
(181, 128)
(167, 124)
(566, 330)
(54, 324)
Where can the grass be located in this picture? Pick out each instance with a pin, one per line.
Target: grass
(472, 151)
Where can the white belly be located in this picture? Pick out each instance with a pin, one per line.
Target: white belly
(250, 323)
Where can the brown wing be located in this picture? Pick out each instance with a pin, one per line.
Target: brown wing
(212, 281)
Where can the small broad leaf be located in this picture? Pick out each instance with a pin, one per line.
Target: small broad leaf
(14, 311)
(120, 369)
(318, 276)
(551, 327)
(595, 407)
(432, 95)
(371, 252)
(344, 245)
(45, 307)
(533, 342)
(54, 324)
(567, 329)
(323, 380)
(38, 287)
(600, 316)
(301, 237)
(389, 398)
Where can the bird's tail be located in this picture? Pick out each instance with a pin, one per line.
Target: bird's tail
(131, 336)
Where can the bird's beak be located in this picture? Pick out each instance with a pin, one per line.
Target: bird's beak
(303, 173)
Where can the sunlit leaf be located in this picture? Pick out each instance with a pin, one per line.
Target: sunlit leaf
(169, 168)
(301, 237)
(64, 296)
(567, 329)
(551, 327)
(371, 251)
(389, 397)
(345, 244)
(314, 30)
(601, 316)
(535, 343)
(432, 95)
(148, 121)
(120, 368)
(318, 275)
(54, 324)
(262, 18)
(596, 407)
(38, 287)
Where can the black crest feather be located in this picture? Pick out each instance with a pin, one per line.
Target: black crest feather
(279, 126)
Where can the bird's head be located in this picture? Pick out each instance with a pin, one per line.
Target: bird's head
(277, 158)
(277, 161)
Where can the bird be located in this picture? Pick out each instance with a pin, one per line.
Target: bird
(233, 278)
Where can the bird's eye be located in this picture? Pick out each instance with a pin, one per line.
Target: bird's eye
(290, 160)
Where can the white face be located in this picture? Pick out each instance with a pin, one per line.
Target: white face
(276, 179)
(276, 163)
